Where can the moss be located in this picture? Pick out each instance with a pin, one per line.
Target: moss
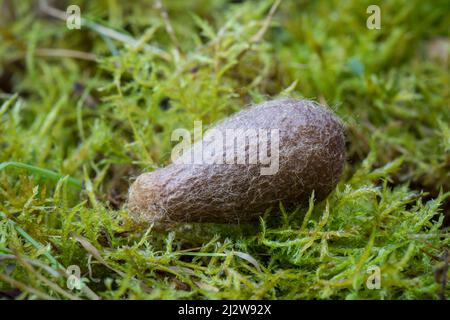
(66, 120)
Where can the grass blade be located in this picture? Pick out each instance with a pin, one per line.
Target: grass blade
(54, 176)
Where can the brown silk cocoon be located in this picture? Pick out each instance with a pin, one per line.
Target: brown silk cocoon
(311, 157)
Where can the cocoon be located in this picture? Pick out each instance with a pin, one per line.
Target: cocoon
(299, 148)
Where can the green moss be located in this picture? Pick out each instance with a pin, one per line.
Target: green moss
(102, 122)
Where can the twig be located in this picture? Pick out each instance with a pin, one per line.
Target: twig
(46, 281)
(91, 249)
(59, 267)
(19, 285)
(167, 24)
(260, 34)
(257, 37)
(67, 53)
(102, 30)
(441, 273)
(36, 263)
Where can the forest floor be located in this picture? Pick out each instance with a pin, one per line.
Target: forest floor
(84, 111)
